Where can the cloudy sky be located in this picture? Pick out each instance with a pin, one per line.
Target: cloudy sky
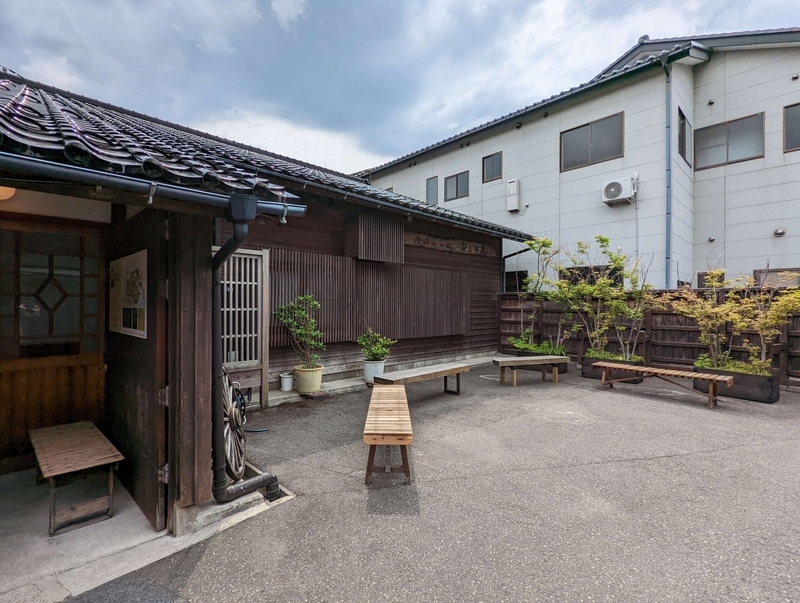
(347, 84)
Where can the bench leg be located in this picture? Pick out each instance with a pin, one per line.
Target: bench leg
(544, 372)
(370, 464)
(52, 481)
(502, 375)
(513, 376)
(555, 374)
(457, 391)
(406, 466)
(712, 394)
(110, 511)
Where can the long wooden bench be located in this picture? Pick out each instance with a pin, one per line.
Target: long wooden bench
(663, 374)
(72, 448)
(388, 424)
(515, 362)
(423, 373)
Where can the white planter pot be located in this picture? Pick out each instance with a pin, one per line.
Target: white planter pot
(287, 382)
(308, 380)
(372, 368)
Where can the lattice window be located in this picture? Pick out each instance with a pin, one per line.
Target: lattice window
(243, 309)
(50, 302)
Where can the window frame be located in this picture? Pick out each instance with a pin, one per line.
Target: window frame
(685, 135)
(728, 143)
(785, 129)
(621, 114)
(483, 167)
(427, 189)
(458, 194)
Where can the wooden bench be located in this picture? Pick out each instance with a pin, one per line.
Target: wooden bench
(388, 424)
(423, 373)
(68, 449)
(664, 374)
(515, 362)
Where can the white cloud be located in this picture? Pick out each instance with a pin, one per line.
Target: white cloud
(55, 71)
(287, 11)
(547, 48)
(333, 150)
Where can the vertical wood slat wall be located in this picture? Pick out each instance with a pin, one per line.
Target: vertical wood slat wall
(400, 302)
(376, 238)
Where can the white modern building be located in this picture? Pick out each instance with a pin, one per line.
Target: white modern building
(685, 151)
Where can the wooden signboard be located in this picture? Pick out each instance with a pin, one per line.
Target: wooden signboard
(415, 239)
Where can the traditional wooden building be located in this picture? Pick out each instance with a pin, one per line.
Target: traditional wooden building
(107, 227)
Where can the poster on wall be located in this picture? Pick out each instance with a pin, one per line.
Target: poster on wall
(127, 296)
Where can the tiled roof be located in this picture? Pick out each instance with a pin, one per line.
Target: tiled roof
(668, 47)
(61, 127)
(712, 41)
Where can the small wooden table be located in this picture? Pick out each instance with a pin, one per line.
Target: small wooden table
(388, 424)
(68, 449)
(423, 373)
(514, 362)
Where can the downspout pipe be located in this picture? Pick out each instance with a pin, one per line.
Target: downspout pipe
(241, 212)
(668, 176)
(39, 168)
(505, 257)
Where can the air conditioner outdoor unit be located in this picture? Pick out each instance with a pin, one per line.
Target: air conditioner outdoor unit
(619, 192)
(512, 196)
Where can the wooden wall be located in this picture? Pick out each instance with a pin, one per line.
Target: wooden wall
(323, 232)
(189, 359)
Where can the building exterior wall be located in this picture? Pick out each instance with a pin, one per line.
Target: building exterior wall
(739, 205)
(322, 231)
(742, 204)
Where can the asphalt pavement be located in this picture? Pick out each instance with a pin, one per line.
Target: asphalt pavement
(543, 492)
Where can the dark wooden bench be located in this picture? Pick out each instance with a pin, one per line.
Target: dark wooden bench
(73, 448)
(665, 374)
(423, 373)
(388, 424)
(515, 362)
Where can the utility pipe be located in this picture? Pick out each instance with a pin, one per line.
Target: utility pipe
(240, 214)
(30, 166)
(505, 257)
(668, 175)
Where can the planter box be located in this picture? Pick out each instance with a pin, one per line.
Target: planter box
(745, 387)
(562, 366)
(588, 372)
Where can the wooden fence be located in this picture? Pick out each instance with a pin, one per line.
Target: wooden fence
(668, 338)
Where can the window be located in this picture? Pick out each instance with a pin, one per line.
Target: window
(515, 281)
(493, 167)
(591, 274)
(456, 186)
(777, 277)
(791, 124)
(432, 191)
(50, 294)
(598, 141)
(684, 137)
(702, 277)
(729, 142)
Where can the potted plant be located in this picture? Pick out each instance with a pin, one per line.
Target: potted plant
(609, 293)
(728, 309)
(298, 317)
(535, 286)
(375, 348)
